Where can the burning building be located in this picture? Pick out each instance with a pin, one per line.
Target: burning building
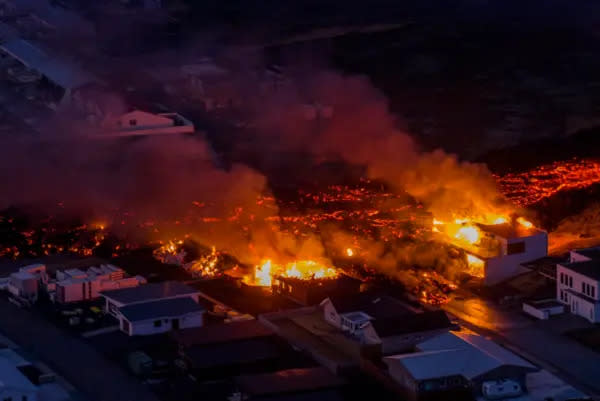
(495, 251)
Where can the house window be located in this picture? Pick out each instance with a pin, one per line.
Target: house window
(562, 278)
(24, 398)
(157, 323)
(571, 281)
(515, 247)
(593, 292)
(584, 288)
(133, 122)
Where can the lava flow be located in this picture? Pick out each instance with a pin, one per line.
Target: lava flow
(529, 187)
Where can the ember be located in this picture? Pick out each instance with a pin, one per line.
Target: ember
(205, 266)
(170, 252)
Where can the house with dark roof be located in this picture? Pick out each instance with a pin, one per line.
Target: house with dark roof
(291, 384)
(578, 283)
(155, 308)
(384, 321)
(459, 365)
(156, 317)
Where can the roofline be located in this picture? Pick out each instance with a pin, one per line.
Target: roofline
(202, 310)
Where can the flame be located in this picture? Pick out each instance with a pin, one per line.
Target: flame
(262, 274)
(500, 220)
(524, 223)
(206, 266)
(475, 265)
(469, 234)
(349, 252)
(303, 270)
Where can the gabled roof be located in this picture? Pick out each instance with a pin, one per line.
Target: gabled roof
(432, 364)
(288, 381)
(160, 309)
(221, 333)
(418, 322)
(148, 292)
(474, 356)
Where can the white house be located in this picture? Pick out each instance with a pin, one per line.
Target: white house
(152, 314)
(578, 283)
(75, 285)
(505, 246)
(14, 385)
(139, 122)
(160, 316)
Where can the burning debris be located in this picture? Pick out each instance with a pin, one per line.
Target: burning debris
(171, 252)
(265, 273)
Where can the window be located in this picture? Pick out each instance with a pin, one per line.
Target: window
(133, 122)
(571, 281)
(515, 247)
(157, 323)
(562, 278)
(24, 398)
(583, 288)
(593, 292)
(7, 399)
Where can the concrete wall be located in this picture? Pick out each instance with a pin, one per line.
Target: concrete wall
(502, 267)
(147, 327)
(583, 305)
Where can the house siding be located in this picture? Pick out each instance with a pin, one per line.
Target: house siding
(569, 291)
(147, 327)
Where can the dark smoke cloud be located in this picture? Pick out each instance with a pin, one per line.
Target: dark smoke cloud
(363, 131)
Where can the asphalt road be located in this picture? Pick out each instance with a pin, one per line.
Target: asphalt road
(94, 376)
(562, 356)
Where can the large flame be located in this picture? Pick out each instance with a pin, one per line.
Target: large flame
(475, 266)
(205, 266)
(302, 269)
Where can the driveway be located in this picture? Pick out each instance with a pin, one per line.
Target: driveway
(534, 340)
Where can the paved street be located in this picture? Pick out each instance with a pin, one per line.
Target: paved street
(94, 376)
(557, 353)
